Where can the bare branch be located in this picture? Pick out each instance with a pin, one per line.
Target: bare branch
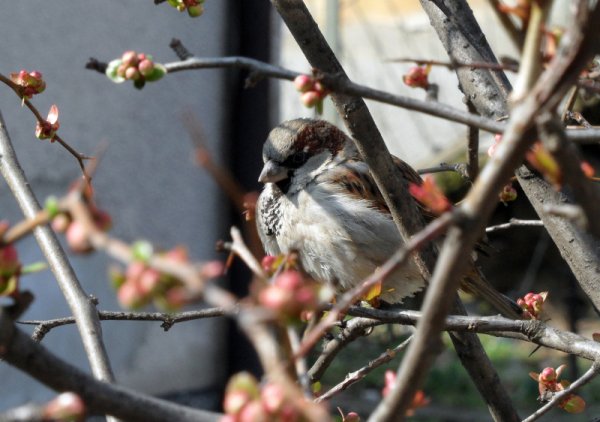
(514, 222)
(168, 319)
(354, 377)
(100, 397)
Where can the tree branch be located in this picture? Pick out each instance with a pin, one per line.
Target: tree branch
(100, 397)
(168, 320)
(79, 302)
(480, 201)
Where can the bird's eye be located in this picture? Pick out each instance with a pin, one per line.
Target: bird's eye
(299, 158)
(296, 160)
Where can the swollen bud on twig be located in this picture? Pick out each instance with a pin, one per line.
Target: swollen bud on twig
(549, 384)
(137, 67)
(28, 83)
(67, 407)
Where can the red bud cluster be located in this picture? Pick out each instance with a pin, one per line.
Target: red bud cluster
(417, 77)
(246, 401)
(29, 83)
(194, 8)
(430, 195)
(549, 384)
(313, 91)
(532, 304)
(137, 67)
(141, 284)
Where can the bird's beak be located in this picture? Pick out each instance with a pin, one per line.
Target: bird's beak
(272, 173)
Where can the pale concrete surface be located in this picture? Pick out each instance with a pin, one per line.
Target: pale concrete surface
(147, 179)
(375, 31)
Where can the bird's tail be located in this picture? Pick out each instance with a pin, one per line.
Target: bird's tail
(476, 284)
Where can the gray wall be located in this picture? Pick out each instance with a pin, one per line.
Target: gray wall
(147, 179)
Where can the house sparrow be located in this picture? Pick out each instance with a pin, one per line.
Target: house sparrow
(320, 200)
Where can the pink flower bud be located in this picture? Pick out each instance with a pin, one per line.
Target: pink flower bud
(121, 70)
(492, 149)
(272, 396)
(417, 77)
(135, 270)
(60, 223)
(275, 298)
(320, 89)
(253, 412)
(67, 407)
(146, 67)
(129, 295)
(389, 379)
(310, 99)
(149, 281)
(132, 73)
(351, 417)
(77, 238)
(547, 375)
(289, 413)
(178, 254)
(129, 58)
(303, 83)
(235, 401)
(289, 280)
(212, 269)
(267, 263)
(306, 297)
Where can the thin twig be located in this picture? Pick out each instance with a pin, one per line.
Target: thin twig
(460, 168)
(240, 249)
(168, 319)
(260, 69)
(78, 156)
(453, 65)
(353, 329)
(514, 222)
(354, 377)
